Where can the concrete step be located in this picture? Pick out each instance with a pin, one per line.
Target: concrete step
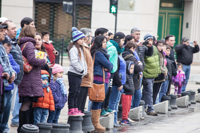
(182, 101)
(107, 121)
(162, 107)
(136, 113)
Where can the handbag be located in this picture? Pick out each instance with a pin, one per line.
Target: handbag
(97, 91)
(26, 65)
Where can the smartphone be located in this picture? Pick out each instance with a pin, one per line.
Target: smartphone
(191, 42)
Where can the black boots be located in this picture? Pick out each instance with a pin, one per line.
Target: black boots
(23, 119)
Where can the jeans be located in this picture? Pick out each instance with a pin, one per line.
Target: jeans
(186, 69)
(97, 105)
(40, 115)
(136, 97)
(114, 101)
(17, 106)
(163, 90)
(147, 94)
(156, 90)
(53, 116)
(4, 117)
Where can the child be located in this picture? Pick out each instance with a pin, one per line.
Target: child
(44, 103)
(179, 80)
(128, 92)
(59, 93)
(77, 70)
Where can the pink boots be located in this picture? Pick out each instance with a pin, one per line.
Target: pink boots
(75, 112)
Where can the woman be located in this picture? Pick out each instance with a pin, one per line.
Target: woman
(101, 61)
(119, 78)
(129, 55)
(39, 46)
(31, 85)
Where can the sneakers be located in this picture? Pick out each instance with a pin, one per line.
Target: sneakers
(125, 122)
(104, 112)
(74, 112)
(110, 110)
(16, 124)
(152, 113)
(131, 121)
(117, 125)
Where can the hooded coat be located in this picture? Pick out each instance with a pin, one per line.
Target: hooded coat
(129, 86)
(31, 84)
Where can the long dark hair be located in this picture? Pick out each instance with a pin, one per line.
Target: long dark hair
(158, 42)
(76, 45)
(130, 45)
(42, 46)
(97, 46)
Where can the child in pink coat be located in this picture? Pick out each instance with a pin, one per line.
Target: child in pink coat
(179, 80)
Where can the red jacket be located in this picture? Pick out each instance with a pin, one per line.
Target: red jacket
(49, 48)
(47, 101)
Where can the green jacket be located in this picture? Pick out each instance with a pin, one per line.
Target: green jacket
(152, 68)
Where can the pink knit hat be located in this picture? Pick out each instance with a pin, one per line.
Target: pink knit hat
(57, 69)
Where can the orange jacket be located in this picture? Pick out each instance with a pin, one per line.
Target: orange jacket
(47, 101)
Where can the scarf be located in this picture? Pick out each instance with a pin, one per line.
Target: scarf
(119, 50)
(62, 85)
(104, 51)
(46, 86)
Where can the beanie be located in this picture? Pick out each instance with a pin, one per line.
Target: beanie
(44, 76)
(76, 34)
(147, 37)
(119, 35)
(57, 69)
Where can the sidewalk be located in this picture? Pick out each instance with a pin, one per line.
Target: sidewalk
(194, 76)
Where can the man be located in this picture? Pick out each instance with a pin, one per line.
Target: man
(170, 40)
(141, 51)
(17, 55)
(185, 56)
(151, 71)
(25, 22)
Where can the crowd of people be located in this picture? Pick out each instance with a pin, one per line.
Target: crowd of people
(125, 67)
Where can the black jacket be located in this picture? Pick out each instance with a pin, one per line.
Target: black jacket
(172, 58)
(129, 86)
(116, 78)
(17, 55)
(128, 55)
(142, 51)
(169, 67)
(185, 53)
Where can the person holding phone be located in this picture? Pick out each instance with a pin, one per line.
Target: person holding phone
(184, 54)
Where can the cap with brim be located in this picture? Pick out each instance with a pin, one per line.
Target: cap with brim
(6, 41)
(3, 26)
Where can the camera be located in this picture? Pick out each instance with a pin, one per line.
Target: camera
(145, 43)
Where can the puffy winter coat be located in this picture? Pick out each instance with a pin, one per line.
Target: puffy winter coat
(169, 67)
(47, 101)
(129, 56)
(17, 55)
(129, 86)
(31, 84)
(152, 68)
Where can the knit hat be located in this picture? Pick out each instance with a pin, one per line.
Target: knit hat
(57, 69)
(147, 37)
(76, 34)
(44, 76)
(119, 35)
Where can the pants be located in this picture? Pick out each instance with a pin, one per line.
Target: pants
(156, 89)
(136, 98)
(163, 90)
(126, 105)
(74, 90)
(147, 94)
(54, 116)
(169, 86)
(82, 98)
(178, 90)
(17, 106)
(4, 117)
(108, 93)
(186, 69)
(97, 105)
(114, 101)
(40, 115)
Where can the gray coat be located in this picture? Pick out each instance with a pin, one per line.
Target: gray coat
(77, 65)
(17, 55)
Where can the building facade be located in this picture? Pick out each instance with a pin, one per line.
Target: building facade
(157, 17)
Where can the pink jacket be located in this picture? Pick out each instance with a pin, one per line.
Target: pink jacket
(180, 79)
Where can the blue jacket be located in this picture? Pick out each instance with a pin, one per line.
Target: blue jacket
(59, 98)
(15, 67)
(18, 32)
(122, 70)
(101, 61)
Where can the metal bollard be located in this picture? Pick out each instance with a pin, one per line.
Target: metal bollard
(192, 97)
(167, 98)
(186, 94)
(29, 128)
(173, 101)
(87, 122)
(60, 128)
(119, 114)
(75, 124)
(44, 127)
